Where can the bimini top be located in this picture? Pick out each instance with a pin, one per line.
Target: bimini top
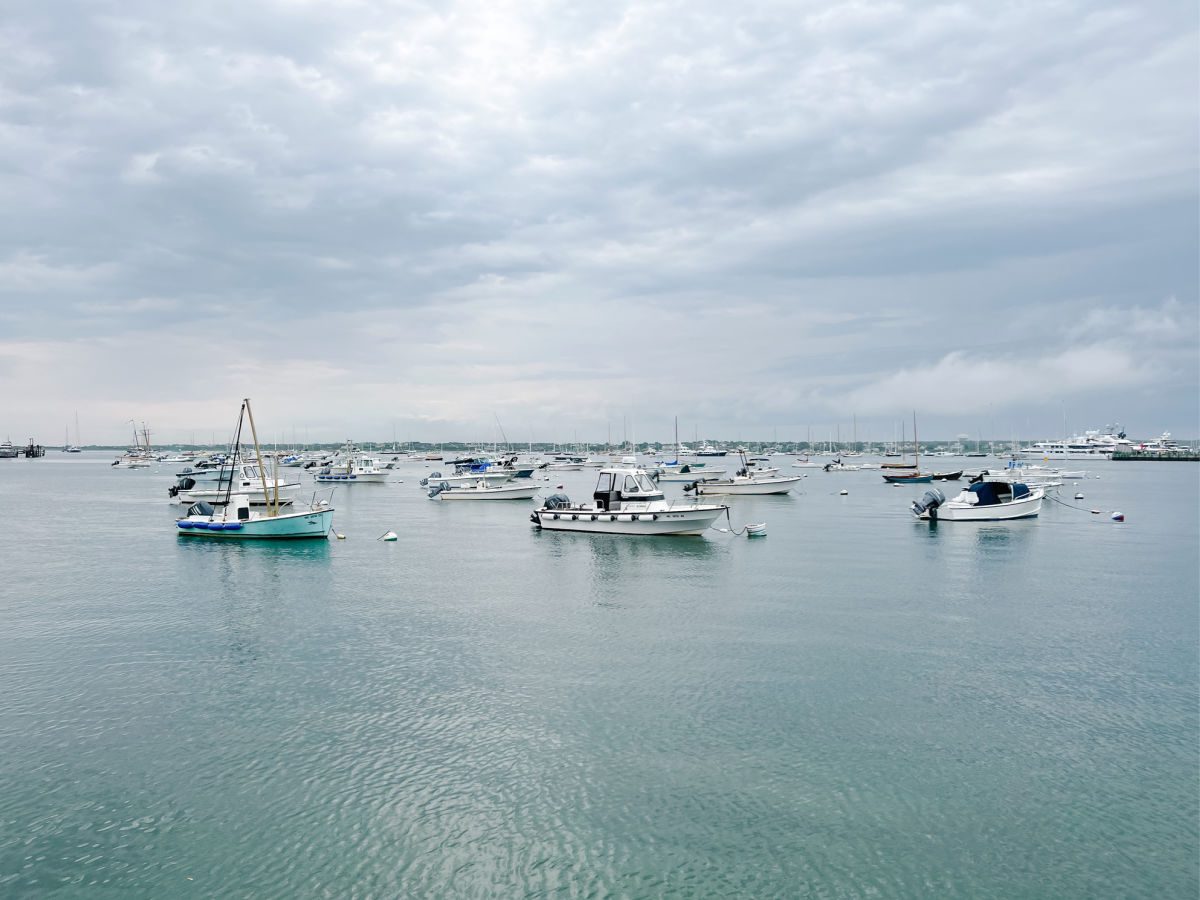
(989, 493)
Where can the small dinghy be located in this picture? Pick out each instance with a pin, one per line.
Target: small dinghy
(984, 501)
(626, 501)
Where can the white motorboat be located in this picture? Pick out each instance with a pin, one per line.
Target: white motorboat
(626, 501)
(984, 501)
(482, 490)
(746, 484)
(463, 478)
(215, 486)
(351, 466)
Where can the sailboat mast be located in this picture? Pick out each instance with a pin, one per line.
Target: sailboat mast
(262, 469)
(916, 443)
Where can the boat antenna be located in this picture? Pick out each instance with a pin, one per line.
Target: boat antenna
(262, 469)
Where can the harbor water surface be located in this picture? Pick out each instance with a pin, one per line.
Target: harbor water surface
(856, 705)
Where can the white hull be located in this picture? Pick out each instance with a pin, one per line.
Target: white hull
(689, 477)
(1024, 508)
(500, 492)
(353, 478)
(497, 477)
(289, 526)
(256, 497)
(681, 520)
(760, 486)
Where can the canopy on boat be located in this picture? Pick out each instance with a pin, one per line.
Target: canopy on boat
(989, 493)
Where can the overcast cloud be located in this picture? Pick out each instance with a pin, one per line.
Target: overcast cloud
(759, 217)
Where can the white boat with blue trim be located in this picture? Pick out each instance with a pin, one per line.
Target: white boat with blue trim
(983, 501)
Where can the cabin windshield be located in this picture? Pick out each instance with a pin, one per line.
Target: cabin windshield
(645, 485)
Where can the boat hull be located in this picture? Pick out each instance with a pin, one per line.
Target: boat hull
(291, 526)
(754, 486)
(679, 521)
(1025, 508)
(353, 478)
(515, 492)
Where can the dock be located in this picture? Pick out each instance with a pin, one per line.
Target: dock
(1157, 455)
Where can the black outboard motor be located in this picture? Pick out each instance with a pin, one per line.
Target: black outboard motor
(978, 478)
(436, 489)
(557, 501)
(200, 509)
(931, 501)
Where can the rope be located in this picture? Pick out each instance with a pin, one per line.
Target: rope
(1094, 512)
(730, 529)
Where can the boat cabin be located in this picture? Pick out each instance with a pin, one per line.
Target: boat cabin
(990, 493)
(615, 487)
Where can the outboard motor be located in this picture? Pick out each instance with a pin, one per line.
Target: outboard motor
(931, 501)
(557, 501)
(978, 478)
(436, 489)
(200, 509)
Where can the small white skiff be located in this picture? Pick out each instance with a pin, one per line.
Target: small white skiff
(752, 484)
(482, 490)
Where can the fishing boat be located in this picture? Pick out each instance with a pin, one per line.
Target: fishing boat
(236, 521)
(984, 501)
(351, 466)
(746, 484)
(482, 490)
(747, 481)
(626, 501)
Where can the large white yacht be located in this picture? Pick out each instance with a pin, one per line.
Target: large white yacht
(1089, 445)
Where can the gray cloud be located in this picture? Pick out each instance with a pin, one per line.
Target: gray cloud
(565, 214)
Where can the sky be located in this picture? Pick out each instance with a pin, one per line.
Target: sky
(576, 221)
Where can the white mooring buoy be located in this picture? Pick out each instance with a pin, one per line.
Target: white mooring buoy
(1079, 496)
(843, 492)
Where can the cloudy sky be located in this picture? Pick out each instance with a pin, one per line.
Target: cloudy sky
(585, 218)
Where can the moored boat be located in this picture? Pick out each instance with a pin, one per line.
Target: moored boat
(482, 490)
(626, 501)
(984, 501)
(236, 521)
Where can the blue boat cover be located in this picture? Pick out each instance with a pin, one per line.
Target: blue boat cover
(992, 492)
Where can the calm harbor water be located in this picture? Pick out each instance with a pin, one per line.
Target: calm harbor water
(857, 705)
